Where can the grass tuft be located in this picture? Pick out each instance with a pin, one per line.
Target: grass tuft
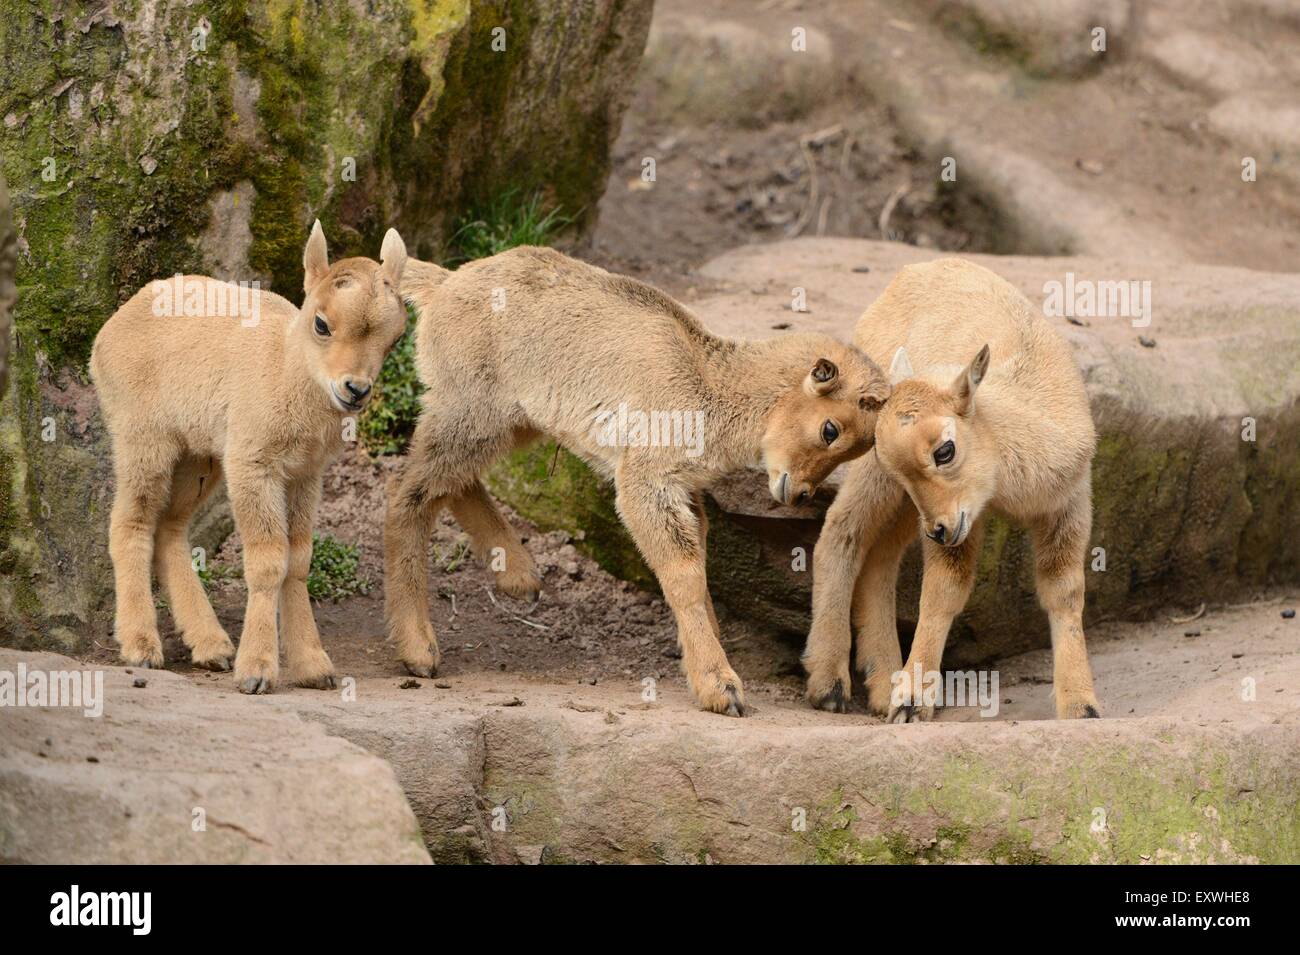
(507, 221)
(504, 223)
(333, 573)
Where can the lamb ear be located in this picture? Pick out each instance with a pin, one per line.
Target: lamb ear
(963, 388)
(315, 258)
(823, 378)
(393, 256)
(876, 396)
(900, 368)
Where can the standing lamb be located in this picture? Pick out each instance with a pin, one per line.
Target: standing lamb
(531, 342)
(198, 378)
(994, 419)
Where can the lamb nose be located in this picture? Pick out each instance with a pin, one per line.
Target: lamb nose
(357, 392)
(937, 535)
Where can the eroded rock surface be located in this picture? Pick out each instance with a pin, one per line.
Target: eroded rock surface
(170, 775)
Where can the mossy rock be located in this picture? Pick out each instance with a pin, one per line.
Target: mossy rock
(664, 787)
(145, 139)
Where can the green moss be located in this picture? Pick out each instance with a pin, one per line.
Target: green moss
(456, 848)
(1272, 487)
(103, 226)
(833, 841)
(557, 491)
(1109, 804)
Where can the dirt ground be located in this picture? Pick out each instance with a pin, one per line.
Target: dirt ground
(588, 626)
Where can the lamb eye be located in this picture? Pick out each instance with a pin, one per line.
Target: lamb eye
(830, 432)
(944, 453)
(321, 328)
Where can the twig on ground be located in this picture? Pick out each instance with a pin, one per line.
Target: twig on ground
(805, 214)
(888, 211)
(1200, 611)
(806, 142)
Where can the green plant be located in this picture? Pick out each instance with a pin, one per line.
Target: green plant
(504, 223)
(386, 426)
(210, 574)
(333, 572)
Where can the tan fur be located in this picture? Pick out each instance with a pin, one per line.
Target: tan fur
(1023, 438)
(190, 397)
(531, 342)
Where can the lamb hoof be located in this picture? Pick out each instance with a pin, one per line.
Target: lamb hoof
(832, 701)
(255, 685)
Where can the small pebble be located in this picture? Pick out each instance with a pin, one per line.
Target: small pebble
(1238, 656)
(409, 685)
(862, 269)
(1192, 633)
(139, 683)
(1288, 614)
(1146, 342)
(442, 685)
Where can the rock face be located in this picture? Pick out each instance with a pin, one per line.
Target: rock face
(499, 769)
(8, 262)
(168, 775)
(1196, 770)
(143, 139)
(1046, 37)
(1195, 480)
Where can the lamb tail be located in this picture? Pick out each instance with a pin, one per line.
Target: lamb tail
(420, 280)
